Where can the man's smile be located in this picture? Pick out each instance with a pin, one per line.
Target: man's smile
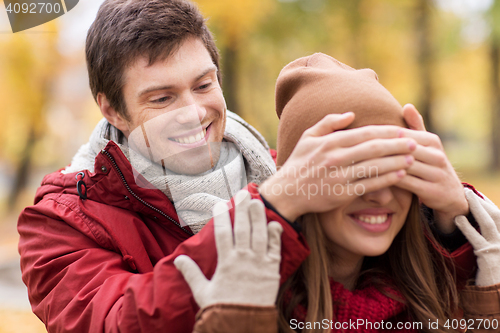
(192, 138)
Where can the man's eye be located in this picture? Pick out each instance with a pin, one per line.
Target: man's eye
(161, 100)
(205, 86)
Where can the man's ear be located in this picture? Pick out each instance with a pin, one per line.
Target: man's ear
(113, 117)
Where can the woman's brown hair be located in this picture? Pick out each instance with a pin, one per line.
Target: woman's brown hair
(419, 271)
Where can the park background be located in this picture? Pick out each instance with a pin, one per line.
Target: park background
(441, 55)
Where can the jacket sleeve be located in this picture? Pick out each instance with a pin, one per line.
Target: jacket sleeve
(225, 318)
(481, 306)
(77, 282)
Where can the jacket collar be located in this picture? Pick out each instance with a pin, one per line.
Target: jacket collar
(113, 183)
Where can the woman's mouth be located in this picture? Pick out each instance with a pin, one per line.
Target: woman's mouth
(372, 219)
(373, 222)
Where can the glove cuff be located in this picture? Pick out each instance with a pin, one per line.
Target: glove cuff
(235, 318)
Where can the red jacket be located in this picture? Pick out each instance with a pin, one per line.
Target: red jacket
(106, 263)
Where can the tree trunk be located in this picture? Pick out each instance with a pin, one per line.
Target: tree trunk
(355, 22)
(230, 77)
(495, 98)
(425, 59)
(22, 171)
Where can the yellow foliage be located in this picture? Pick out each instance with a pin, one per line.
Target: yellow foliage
(28, 66)
(16, 321)
(234, 19)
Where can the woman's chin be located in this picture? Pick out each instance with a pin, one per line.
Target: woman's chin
(374, 251)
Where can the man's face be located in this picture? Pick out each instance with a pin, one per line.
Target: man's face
(176, 109)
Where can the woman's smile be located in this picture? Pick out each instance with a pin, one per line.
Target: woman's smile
(373, 219)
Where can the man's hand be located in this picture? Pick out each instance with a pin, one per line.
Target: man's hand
(247, 263)
(329, 167)
(432, 177)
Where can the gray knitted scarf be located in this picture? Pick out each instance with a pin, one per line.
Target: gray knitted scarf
(244, 158)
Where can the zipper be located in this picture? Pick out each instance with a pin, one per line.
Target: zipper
(105, 152)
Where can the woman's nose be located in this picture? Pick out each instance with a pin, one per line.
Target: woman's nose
(381, 197)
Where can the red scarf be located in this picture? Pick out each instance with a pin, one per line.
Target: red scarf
(376, 310)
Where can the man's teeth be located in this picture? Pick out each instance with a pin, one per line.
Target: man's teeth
(191, 138)
(373, 219)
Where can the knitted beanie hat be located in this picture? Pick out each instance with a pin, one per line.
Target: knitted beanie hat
(309, 88)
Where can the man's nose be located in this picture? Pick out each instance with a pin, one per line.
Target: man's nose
(193, 113)
(381, 197)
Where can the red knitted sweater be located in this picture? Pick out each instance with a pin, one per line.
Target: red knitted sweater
(364, 310)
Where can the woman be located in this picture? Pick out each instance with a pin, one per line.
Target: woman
(373, 261)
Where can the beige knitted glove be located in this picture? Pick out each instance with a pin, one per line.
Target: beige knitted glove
(248, 263)
(487, 244)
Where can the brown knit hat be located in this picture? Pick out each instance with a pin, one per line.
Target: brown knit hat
(309, 88)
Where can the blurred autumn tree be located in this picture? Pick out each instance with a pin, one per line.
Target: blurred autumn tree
(494, 56)
(409, 43)
(232, 21)
(361, 33)
(414, 46)
(27, 64)
(425, 56)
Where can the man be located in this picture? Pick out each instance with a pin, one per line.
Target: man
(97, 248)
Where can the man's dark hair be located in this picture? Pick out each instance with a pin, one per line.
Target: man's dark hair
(127, 29)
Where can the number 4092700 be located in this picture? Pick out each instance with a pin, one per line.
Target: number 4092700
(34, 8)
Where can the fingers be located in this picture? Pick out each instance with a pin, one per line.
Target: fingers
(259, 226)
(424, 171)
(488, 227)
(423, 138)
(358, 135)
(334, 122)
(192, 274)
(274, 230)
(375, 148)
(413, 118)
(414, 184)
(493, 211)
(367, 185)
(475, 239)
(250, 226)
(376, 167)
(490, 207)
(329, 124)
(431, 156)
(242, 227)
(223, 230)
